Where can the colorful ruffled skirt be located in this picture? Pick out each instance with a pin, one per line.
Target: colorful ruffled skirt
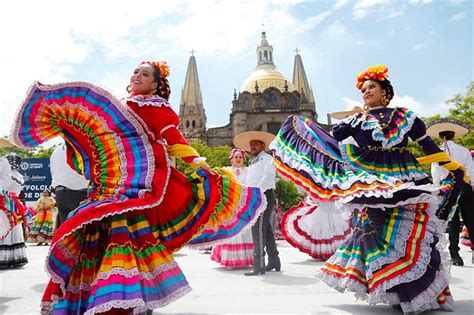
(465, 240)
(394, 254)
(236, 252)
(43, 228)
(315, 228)
(114, 253)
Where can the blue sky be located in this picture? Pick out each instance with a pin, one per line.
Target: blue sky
(427, 46)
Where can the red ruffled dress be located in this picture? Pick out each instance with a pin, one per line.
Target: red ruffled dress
(114, 252)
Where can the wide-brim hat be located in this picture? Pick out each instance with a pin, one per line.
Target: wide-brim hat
(447, 124)
(346, 113)
(4, 143)
(242, 140)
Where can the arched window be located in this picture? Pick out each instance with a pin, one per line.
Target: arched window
(271, 58)
(194, 124)
(259, 56)
(187, 123)
(265, 54)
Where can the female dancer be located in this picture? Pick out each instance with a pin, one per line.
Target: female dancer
(42, 229)
(392, 255)
(12, 241)
(114, 252)
(236, 252)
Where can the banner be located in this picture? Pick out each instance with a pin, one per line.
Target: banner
(37, 176)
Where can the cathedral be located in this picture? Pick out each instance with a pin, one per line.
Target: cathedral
(265, 100)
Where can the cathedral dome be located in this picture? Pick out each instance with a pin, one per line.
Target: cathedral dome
(266, 76)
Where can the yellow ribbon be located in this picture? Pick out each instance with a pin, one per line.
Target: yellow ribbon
(183, 150)
(450, 164)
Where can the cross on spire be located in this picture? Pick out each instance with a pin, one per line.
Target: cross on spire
(297, 50)
(192, 52)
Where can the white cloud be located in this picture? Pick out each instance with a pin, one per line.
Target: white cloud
(335, 30)
(364, 7)
(408, 102)
(459, 16)
(351, 103)
(419, 1)
(48, 43)
(339, 4)
(313, 21)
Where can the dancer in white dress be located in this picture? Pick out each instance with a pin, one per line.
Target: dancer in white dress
(12, 247)
(236, 252)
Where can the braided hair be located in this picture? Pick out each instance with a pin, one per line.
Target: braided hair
(386, 86)
(163, 90)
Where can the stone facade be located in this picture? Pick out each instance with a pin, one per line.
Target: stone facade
(263, 111)
(264, 102)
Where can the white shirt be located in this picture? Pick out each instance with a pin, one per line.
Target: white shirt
(261, 172)
(239, 172)
(459, 154)
(62, 174)
(10, 180)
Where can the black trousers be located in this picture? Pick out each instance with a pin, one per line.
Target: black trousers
(466, 209)
(66, 201)
(262, 234)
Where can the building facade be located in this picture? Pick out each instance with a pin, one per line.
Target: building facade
(265, 100)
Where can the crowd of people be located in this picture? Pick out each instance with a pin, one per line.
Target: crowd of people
(370, 211)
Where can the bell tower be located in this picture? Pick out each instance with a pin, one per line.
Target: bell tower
(191, 111)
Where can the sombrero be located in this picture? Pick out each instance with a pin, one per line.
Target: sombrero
(242, 140)
(447, 124)
(4, 143)
(346, 113)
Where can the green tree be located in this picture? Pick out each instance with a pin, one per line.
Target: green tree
(287, 194)
(462, 108)
(216, 157)
(38, 152)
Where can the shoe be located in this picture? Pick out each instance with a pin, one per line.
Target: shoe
(397, 307)
(273, 264)
(457, 260)
(255, 272)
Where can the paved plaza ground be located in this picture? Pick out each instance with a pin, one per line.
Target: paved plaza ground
(217, 290)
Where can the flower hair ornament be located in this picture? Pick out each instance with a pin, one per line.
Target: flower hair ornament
(161, 66)
(234, 151)
(378, 73)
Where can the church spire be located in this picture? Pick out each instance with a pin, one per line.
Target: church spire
(265, 53)
(191, 112)
(300, 81)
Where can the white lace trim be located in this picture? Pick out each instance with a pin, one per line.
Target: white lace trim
(404, 176)
(330, 182)
(155, 101)
(426, 299)
(122, 272)
(124, 110)
(240, 206)
(60, 281)
(138, 305)
(361, 119)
